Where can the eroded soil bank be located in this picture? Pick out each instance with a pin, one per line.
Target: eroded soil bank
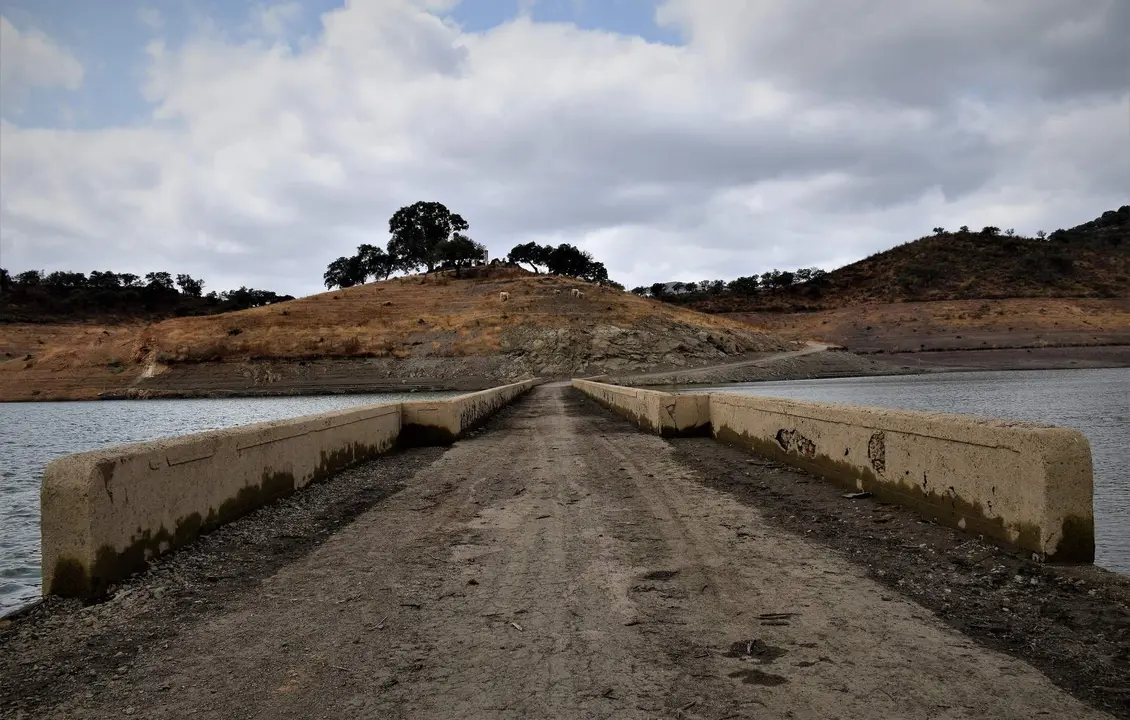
(561, 564)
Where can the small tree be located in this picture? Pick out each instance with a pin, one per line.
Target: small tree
(246, 297)
(29, 278)
(128, 279)
(461, 251)
(532, 254)
(568, 260)
(964, 229)
(939, 231)
(345, 272)
(658, 290)
(990, 231)
(376, 262)
(62, 280)
(748, 285)
(5, 281)
(106, 280)
(190, 286)
(1041, 234)
(161, 280)
(641, 291)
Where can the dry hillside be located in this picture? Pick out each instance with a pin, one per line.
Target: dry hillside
(956, 324)
(438, 330)
(1091, 260)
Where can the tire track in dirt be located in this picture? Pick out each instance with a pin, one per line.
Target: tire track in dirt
(563, 565)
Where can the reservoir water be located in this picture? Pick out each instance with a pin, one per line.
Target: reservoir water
(33, 434)
(1095, 402)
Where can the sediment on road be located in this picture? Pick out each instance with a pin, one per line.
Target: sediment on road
(559, 563)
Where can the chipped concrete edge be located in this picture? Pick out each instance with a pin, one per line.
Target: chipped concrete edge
(107, 513)
(1029, 486)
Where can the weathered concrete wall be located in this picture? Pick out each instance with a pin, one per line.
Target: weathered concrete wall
(665, 414)
(1028, 485)
(442, 422)
(105, 513)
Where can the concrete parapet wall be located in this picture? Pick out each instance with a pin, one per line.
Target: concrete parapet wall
(666, 414)
(106, 512)
(441, 422)
(1025, 484)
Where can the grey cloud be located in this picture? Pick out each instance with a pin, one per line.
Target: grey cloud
(927, 52)
(653, 186)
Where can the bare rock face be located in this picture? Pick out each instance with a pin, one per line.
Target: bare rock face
(610, 348)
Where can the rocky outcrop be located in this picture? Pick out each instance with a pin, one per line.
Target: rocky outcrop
(607, 348)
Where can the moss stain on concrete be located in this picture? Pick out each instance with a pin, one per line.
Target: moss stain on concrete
(71, 578)
(1077, 545)
(644, 423)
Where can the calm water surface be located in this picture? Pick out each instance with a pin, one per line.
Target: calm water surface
(1095, 402)
(33, 434)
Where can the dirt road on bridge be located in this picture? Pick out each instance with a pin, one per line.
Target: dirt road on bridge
(558, 565)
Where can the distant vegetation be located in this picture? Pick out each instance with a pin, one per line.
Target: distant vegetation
(564, 259)
(1089, 260)
(750, 285)
(36, 296)
(427, 235)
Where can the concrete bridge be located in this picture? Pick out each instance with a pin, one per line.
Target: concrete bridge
(561, 563)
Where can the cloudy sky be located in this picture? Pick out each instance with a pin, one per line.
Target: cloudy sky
(251, 143)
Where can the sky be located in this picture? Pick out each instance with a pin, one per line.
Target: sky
(252, 143)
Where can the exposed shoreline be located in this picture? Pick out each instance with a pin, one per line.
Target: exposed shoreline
(345, 377)
(835, 363)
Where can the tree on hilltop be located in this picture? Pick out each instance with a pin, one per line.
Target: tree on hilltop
(162, 280)
(570, 261)
(188, 285)
(532, 254)
(419, 232)
(345, 272)
(376, 261)
(461, 251)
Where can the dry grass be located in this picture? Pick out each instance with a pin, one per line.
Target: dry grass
(922, 325)
(415, 316)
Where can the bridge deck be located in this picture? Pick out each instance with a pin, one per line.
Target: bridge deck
(567, 567)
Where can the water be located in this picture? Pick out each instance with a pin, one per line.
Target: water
(33, 434)
(1095, 402)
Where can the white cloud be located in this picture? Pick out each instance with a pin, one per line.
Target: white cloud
(31, 59)
(263, 162)
(275, 20)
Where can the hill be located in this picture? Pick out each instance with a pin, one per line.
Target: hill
(434, 330)
(1091, 260)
